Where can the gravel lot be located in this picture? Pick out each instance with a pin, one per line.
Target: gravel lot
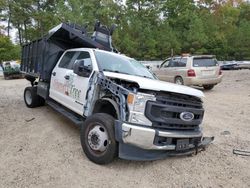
(40, 148)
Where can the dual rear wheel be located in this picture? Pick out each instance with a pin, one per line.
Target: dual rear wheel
(31, 98)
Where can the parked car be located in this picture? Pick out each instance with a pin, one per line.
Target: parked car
(229, 66)
(244, 65)
(199, 70)
(1, 70)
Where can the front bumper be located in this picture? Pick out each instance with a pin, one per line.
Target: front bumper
(140, 143)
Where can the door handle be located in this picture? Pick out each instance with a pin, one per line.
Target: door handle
(54, 73)
(66, 77)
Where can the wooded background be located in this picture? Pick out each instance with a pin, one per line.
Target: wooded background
(146, 29)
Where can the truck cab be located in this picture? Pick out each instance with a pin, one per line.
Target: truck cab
(67, 87)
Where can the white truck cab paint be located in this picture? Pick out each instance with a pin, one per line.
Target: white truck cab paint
(66, 87)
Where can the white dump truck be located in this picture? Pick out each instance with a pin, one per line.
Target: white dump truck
(122, 109)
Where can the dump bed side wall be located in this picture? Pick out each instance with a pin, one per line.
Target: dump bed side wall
(51, 55)
(40, 57)
(31, 59)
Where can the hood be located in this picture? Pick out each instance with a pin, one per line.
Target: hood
(156, 85)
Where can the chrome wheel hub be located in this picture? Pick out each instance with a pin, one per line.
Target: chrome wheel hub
(98, 138)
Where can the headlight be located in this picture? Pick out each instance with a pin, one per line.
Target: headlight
(137, 103)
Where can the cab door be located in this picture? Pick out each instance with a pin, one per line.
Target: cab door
(66, 87)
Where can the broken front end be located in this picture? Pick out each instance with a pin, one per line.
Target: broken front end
(154, 124)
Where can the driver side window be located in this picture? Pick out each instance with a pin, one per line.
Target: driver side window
(70, 58)
(67, 60)
(82, 56)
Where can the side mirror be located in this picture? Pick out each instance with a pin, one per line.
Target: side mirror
(81, 69)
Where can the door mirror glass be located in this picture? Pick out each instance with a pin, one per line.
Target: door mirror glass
(81, 69)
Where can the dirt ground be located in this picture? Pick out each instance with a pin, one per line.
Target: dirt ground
(40, 148)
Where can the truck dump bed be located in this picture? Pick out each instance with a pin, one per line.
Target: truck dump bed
(40, 56)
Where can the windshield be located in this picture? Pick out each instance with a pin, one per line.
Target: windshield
(121, 64)
(204, 62)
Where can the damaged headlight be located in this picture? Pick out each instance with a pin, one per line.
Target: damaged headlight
(137, 104)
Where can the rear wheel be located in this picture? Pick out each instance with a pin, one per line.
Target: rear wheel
(31, 98)
(98, 138)
(179, 80)
(208, 87)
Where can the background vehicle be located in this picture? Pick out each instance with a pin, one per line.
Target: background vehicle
(234, 65)
(229, 65)
(243, 64)
(11, 69)
(202, 70)
(1, 70)
(121, 108)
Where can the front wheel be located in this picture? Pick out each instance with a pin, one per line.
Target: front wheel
(98, 138)
(208, 87)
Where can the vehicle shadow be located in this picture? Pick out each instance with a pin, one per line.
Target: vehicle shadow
(130, 164)
(202, 89)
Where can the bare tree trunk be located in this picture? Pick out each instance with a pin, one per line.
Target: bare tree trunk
(25, 31)
(19, 34)
(9, 19)
(39, 20)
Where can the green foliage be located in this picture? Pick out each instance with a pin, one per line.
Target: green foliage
(87, 12)
(146, 29)
(8, 51)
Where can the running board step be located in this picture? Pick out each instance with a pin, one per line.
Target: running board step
(72, 116)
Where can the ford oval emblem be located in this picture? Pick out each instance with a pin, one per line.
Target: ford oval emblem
(187, 116)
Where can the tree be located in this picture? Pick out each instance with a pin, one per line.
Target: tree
(240, 41)
(146, 29)
(85, 12)
(8, 51)
(196, 36)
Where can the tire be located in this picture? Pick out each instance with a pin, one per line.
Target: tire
(6, 77)
(98, 138)
(178, 80)
(31, 98)
(208, 87)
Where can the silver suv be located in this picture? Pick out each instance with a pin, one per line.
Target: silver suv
(199, 70)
